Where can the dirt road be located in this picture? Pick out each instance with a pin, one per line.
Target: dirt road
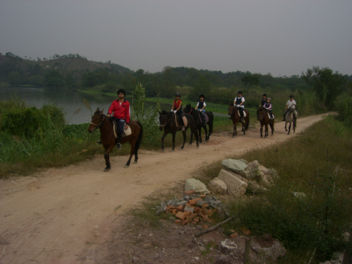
(54, 215)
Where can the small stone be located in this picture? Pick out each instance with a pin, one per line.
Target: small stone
(135, 260)
(196, 185)
(205, 226)
(234, 235)
(189, 209)
(196, 258)
(190, 192)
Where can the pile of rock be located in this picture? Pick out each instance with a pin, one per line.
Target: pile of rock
(238, 176)
(192, 208)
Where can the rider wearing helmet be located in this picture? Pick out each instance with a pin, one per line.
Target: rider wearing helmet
(239, 103)
(291, 103)
(201, 107)
(121, 109)
(268, 107)
(263, 101)
(177, 107)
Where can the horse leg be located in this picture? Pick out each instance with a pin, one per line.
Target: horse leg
(107, 157)
(162, 140)
(131, 154)
(199, 131)
(190, 142)
(289, 129)
(184, 139)
(243, 130)
(286, 126)
(206, 133)
(173, 141)
(272, 128)
(266, 130)
(261, 130)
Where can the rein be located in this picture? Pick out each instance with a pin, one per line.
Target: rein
(100, 124)
(166, 122)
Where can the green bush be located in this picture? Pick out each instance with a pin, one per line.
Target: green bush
(343, 105)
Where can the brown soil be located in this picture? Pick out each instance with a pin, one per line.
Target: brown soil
(61, 215)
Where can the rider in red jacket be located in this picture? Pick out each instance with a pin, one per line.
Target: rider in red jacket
(121, 109)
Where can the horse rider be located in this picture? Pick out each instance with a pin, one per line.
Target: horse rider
(201, 107)
(262, 103)
(268, 107)
(121, 109)
(291, 103)
(239, 103)
(177, 108)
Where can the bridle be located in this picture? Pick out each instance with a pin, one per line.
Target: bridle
(191, 110)
(166, 121)
(100, 124)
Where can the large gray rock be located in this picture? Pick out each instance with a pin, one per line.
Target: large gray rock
(197, 186)
(255, 188)
(267, 249)
(235, 185)
(253, 171)
(274, 174)
(217, 186)
(236, 166)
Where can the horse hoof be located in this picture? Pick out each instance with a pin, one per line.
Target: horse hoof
(181, 148)
(200, 142)
(126, 166)
(107, 169)
(135, 162)
(171, 150)
(189, 144)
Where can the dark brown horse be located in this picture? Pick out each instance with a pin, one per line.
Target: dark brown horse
(107, 137)
(199, 123)
(168, 124)
(263, 118)
(236, 118)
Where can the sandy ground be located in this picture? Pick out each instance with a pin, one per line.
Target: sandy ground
(52, 216)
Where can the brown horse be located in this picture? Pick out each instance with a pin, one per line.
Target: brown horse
(236, 118)
(263, 118)
(168, 124)
(107, 137)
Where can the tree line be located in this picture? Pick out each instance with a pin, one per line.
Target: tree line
(218, 86)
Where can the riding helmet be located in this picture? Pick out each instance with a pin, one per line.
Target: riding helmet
(264, 95)
(268, 98)
(291, 96)
(178, 94)
(239, 92)
(121, 91)
(202, 95)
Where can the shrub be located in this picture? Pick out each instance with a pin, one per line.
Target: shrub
(343, 105)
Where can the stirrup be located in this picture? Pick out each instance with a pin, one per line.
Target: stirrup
(99, 142)
(118, 145)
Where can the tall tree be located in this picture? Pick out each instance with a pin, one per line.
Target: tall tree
(53, 79)
(326, 84)
(250, 80)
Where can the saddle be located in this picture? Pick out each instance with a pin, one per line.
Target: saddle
(206, 117)
(244, 113)
(126, 133)
(184, 119)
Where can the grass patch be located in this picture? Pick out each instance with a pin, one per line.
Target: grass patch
(317, 163)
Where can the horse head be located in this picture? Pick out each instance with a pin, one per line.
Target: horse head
(231, 108)
(261, 113)
(97, 120)
(163, 118)
(188, 109)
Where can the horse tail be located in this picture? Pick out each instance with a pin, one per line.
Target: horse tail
(247, 124)
(211, 120)
(139, 139)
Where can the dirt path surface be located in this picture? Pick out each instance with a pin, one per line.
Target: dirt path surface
(53, 215)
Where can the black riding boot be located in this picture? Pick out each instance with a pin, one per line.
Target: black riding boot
(119, 137)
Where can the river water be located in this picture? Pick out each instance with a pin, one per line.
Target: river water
(69, 101)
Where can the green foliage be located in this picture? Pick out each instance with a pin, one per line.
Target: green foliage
(343, 105)
(32, 138)
(250, 79)
(310, 164)
(146, 114)
(15, 78)
(203, 86)
(53, 79)
(326, 84)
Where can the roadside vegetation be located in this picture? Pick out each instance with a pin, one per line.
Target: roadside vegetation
(316, 163)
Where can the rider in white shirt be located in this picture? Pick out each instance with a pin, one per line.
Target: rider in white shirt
(239, 102)
(290, 104)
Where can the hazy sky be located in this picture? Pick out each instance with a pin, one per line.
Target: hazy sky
(281, 37)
